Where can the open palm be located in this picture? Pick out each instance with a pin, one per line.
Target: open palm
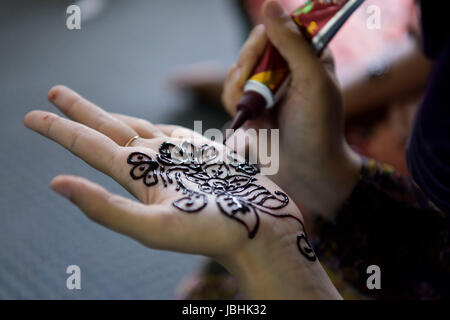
(194, 195)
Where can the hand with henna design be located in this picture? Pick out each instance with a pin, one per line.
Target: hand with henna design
(194, 196)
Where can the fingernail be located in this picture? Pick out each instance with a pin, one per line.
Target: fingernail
(63, 190)
(52, 95)
(274, 10)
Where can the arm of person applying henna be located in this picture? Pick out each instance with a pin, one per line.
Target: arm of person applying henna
(405, 76)
(385, 220)
(389, 219)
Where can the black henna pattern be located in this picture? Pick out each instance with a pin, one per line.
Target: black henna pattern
(233, 184)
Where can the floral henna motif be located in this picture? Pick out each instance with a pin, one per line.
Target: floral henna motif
(233, 184)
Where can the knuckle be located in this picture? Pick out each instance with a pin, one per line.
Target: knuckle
(145, 124)
(291, 31)
(101, 120)
(117, 201)
(113, 159)
(97, 213)
(52, 120)
(75, 139)
(73, 106)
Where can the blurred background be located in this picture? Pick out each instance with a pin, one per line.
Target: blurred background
(122, 59)
(165, 61)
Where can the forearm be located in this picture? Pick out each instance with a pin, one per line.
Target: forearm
(281, 273)
(404, 77)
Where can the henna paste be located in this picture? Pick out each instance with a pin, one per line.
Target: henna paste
(233, 184)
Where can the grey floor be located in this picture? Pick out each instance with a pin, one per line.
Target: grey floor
(120, 60)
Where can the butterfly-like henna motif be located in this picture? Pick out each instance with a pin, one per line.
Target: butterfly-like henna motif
(144, 168)
(232, 182)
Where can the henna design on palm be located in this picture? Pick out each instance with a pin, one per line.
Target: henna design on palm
(233, 184)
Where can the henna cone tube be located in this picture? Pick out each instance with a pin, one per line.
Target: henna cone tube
(319, 21)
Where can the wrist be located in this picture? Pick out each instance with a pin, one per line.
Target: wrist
(343, 175)
(279, 271)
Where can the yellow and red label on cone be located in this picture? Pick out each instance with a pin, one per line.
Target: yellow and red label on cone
(311, 17)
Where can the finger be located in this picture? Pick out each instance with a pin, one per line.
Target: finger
(96, 149)
(238, 74)
(232, 91)
(144, 128)
(145, 223)
(289, 41)
(175, 131)
(178, 132)
(327, 60)
(250, 53)
(81, 110)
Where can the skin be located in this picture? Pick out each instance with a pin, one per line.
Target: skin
(314, 156)
(365, 95)
(154, 221)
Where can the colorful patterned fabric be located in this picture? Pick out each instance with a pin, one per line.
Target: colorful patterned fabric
(387, 221)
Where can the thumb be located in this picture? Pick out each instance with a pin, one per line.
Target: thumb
(289, 40)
